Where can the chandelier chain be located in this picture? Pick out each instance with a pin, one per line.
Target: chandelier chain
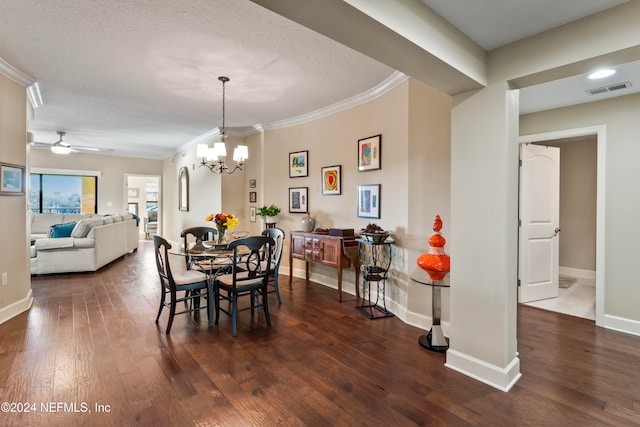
(224, 80)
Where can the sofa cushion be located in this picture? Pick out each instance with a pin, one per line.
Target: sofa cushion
(85, 242)
(77, 217)
(61, 230)
(108, 219)
(62, 242)
(50, 230)
(117, 218)
(83, 226)
(40, 222)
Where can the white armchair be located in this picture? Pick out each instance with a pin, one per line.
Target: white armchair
(151, 224)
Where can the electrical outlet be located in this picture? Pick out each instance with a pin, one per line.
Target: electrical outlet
(5, 279)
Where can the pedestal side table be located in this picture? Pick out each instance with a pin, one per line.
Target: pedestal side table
(434, 340)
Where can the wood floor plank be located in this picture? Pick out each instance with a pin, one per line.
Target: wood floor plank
(92, 339)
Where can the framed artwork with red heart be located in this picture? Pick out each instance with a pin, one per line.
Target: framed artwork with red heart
(331, 180)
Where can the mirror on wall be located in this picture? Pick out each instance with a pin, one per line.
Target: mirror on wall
(183, 189)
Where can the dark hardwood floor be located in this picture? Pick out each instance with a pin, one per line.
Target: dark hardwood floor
(90, 339)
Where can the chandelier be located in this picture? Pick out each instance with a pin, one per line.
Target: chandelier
(214, 157)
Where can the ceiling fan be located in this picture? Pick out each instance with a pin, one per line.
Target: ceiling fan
(61, 147)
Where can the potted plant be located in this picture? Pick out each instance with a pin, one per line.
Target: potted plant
(268, 213)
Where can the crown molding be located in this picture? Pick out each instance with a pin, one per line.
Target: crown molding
(392, 81)
(15, 74)
(205, 138)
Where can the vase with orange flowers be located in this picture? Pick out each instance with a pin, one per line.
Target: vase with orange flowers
(224, 222)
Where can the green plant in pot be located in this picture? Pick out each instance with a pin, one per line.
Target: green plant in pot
(268, 213)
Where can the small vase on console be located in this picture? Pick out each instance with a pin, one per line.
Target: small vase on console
(435, 262)
(308, 223)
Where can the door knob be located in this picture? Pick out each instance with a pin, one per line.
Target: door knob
(556, 231)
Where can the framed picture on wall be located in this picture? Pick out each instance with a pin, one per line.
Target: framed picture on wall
(369, 201)
(252, 214)
(252, 183)
(298, 200)
(252, 196)
(11, 179)
(331, 180)
(298, 164)
(369, 153)
(133, 193)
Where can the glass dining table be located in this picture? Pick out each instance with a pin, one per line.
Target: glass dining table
(211, 258)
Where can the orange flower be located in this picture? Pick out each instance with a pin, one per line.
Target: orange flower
(223, 220)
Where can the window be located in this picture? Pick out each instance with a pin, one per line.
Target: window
(152, 196)
(66, 194)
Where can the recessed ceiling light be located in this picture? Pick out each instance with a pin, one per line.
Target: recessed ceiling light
(601, 74)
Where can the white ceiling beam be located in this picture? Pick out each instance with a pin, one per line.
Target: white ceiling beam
(403, 34)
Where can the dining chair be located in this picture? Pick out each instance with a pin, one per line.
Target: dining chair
(192, 282)
(249, 277)
(193, 239)
(277, 235)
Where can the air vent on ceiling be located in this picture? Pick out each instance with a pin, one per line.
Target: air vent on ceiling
(610, 88)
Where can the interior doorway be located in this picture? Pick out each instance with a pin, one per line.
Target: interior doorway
(582, 254)
(143, 199)
(577, 240)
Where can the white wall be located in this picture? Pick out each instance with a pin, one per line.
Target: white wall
(205, 195)
(484, 186)
(484, 197)
(414, 121)
(578, 197)
(15, 296)
(620, 116)
(429, 192)
(112, 182)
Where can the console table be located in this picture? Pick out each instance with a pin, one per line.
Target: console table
(333, 251)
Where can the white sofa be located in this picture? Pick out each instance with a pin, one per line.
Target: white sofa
(95, 241)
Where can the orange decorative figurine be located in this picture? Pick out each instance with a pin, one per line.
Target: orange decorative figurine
(435, 262)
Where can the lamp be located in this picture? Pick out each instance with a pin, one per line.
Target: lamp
(214, 157)
(60, 147)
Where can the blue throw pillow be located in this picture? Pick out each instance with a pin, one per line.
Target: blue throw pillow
(61, 230)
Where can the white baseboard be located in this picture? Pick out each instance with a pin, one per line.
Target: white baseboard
(577, 272)
(621, 324)
(408, 317)
(501, 378)
(16, 308)
(422, 321)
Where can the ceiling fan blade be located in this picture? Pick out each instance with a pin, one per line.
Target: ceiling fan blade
(77, 147)
(74, 148)
(37, 144)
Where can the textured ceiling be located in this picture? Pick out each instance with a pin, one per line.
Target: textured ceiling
(139, 78)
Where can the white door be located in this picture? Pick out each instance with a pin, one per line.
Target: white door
(539, 222)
